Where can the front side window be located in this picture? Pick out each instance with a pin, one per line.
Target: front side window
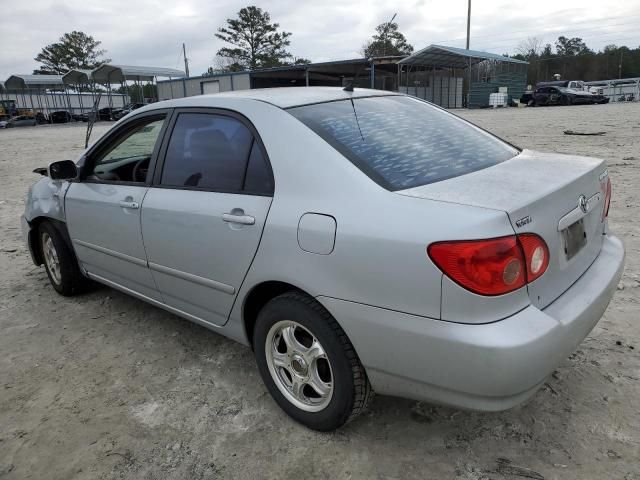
(127, 158)
(401, 142)
(214, 152)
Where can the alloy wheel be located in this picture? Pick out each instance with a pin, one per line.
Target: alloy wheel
(299, 366)
(51, 258)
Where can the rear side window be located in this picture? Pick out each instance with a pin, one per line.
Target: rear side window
(258, 177)
(207, 151)
(401, 142)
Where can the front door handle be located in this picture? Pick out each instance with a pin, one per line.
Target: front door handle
(131, 205)
(241, 219)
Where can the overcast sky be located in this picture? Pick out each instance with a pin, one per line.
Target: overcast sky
(151, 32)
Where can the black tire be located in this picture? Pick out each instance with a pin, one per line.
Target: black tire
(351, 389)
(68, 280)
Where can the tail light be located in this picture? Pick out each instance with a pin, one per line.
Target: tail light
(536, 253)
(494, 266)
(607, 199)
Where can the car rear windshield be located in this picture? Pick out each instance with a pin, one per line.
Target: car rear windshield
(401, 142)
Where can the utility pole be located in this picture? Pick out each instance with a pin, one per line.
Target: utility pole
(186, 60)
(468, 24)
(468, 37)
(620, 65)
(386, 32)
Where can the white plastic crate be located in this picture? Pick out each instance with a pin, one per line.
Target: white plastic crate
(498, 99)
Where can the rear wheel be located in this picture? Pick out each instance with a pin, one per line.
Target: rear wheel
(59, 262)
(308, 364)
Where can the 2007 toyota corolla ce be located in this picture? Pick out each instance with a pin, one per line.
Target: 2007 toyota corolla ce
(358, 241)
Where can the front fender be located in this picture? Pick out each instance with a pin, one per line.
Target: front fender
(46, 199)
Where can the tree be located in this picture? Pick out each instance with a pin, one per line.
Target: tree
(570, 47)
(387, 40)
(257, 42)
(529, 48)
(226, 64)
(547, 51)
(137, 93)
(74, 50)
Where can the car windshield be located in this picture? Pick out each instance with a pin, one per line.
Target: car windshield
(401, 142)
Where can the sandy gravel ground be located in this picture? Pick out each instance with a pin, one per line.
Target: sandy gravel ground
(103, 386)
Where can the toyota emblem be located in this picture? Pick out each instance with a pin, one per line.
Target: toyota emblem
(583, 204)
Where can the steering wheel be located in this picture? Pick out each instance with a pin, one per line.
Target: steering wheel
(140, 172)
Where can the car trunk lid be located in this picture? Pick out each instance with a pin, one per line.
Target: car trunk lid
(558, 197)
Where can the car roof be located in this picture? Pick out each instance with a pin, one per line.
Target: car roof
(285, 97)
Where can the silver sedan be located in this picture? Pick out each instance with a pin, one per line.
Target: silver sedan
(357, 241)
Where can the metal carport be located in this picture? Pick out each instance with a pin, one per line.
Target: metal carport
(81, 79)
(108, 74)
(453, 77)
(27, 85)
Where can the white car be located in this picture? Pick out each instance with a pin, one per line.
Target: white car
(19, 121)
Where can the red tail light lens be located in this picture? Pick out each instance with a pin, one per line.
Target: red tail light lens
(486, 267)
(536, 253)
(607, 199)
(492, 267)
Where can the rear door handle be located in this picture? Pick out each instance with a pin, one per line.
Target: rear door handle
(241, 219)
(132, 205)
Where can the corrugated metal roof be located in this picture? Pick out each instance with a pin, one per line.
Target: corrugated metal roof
(300, 67)
(16, 82)
(282, 97)
(77, 76)
(118, 73)
(441, 56)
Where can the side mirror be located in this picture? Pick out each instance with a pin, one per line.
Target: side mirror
(63, 170)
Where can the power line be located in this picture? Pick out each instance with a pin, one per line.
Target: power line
(511, 44)
(554, 30)
(522, 35)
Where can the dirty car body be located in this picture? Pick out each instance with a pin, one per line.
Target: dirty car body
(461, 269)
(551, 95)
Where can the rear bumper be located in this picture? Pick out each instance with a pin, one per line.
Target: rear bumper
(487, 367)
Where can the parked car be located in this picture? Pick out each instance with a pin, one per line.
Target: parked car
(41, 118)
(118, 114)
(357, 241)
(61, 116)
(565, 96)
(18, 121)
(107, 113)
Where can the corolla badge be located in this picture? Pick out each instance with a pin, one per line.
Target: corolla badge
(523, 221)
(583, 204)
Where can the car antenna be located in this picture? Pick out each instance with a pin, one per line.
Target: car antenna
(349, 86)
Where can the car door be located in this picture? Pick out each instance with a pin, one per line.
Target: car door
(540, 96)
(203, 217)
(554, 96)
(103, 208)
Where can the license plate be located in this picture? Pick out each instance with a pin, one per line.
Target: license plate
(574, 238)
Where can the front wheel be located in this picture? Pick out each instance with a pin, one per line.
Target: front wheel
(566, 101)
(308, 364)
(60, 262)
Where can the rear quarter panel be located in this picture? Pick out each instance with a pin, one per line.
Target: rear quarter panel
(380, 254)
